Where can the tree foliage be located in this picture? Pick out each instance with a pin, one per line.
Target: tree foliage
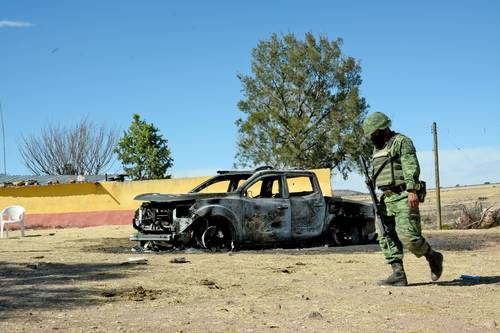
(81, 149)
(302, 105)
(143, 151)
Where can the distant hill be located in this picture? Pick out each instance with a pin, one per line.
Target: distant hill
(346, 193)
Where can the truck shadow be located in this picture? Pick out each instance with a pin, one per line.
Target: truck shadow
(446, 241)
(26, 287)
(461, 283)
(449, 241)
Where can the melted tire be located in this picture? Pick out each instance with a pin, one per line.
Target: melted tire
(216, 238)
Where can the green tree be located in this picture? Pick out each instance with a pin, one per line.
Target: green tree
(143, 151)
(302, 105)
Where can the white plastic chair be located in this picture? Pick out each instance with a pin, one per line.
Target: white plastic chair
(10, 215)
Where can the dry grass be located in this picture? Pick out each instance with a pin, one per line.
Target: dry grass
(453, 200)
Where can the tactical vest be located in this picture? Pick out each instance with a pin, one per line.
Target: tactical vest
(387, 169)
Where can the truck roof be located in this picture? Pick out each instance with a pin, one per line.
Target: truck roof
(259, 170)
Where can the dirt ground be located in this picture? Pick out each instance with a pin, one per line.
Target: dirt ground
(78, 280)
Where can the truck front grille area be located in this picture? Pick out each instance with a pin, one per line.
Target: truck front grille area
(149, 218)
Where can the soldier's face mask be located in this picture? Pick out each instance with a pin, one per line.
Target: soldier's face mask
(378, 138)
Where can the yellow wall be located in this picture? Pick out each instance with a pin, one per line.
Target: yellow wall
(324, 179)
(105, 196)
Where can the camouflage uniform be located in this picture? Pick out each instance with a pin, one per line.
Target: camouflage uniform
(402, 221)
(396, 172)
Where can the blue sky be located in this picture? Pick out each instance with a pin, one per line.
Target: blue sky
(175, 63)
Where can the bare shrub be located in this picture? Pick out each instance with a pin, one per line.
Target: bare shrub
(82, 149)
(478, 218)
(490, 217)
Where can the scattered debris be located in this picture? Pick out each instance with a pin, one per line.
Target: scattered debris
(139, 249)
(142, 249)
(136, 260)
(140, 294)
(179, 260)
(133, 294)
(211, 284)
(314, 315)
(207, 282)
(470, 278)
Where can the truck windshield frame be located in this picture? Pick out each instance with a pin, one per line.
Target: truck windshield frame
(233, 185)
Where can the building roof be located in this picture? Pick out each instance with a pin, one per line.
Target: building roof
(14, 180)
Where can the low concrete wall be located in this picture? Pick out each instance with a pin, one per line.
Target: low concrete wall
(92, 204)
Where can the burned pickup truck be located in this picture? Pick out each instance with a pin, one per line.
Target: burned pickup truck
(263, 207)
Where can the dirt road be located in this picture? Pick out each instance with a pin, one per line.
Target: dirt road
(74, 280)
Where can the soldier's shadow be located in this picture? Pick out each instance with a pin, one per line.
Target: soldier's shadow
(461, 282)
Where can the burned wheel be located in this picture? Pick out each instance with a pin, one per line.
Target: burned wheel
(347, 236)
(216, 237)
(340, 238)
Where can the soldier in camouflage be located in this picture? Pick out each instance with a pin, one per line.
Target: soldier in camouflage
(396, 173)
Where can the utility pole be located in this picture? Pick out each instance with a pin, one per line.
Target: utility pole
(436, 171)
(3, 141)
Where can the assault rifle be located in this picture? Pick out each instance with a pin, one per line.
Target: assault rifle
(379, 219)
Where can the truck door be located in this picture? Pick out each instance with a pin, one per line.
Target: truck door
(266, 216)
(308, 205)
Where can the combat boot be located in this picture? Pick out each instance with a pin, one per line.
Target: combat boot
(397, 278)
(435, 260)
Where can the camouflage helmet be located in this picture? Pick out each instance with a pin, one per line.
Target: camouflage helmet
(375, 121)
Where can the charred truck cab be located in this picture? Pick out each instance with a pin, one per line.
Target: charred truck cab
(264, 207)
